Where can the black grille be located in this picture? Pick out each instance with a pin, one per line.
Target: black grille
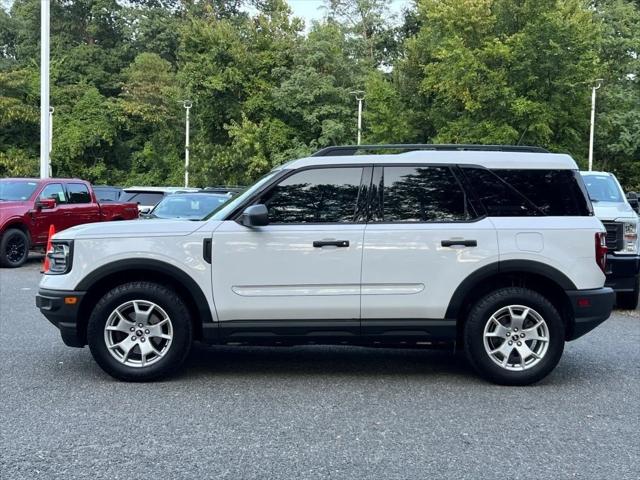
(615, 235)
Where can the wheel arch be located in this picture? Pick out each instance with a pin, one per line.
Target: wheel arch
(537, 276)
(20, 225)
(103, 279)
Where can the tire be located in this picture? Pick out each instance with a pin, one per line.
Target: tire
(172, 339)
(629, 300)
(482, 336)
(14, 248)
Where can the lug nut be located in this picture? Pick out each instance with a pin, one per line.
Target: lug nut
(510, 343)
(519, 343)
(515, 329)
(142, 339)
(132, 329)
(146, 331)
(134, 338)
(140, 325)
(508, 334)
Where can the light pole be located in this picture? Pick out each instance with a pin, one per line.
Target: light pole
(45, 115)
(51, 109)
(187, 104)
(597, 85)
(359, 94)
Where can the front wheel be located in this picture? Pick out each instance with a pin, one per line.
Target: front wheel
(14, 248)
(140, 331)
(514, 336)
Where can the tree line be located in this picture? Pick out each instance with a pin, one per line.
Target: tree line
(266, 88)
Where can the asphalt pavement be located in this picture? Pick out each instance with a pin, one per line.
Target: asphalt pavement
(311, 412)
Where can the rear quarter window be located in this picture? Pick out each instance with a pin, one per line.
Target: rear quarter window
(529, 192)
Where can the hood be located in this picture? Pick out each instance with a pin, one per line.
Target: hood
(8, 209)
(131, 229)
(613, 210)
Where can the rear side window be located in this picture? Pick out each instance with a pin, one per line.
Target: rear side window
(554, 192)
(55, 191)
(323, 195)
(78, 193)
(512, 193)
(422, 194)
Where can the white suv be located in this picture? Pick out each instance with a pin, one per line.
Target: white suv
(493, 249)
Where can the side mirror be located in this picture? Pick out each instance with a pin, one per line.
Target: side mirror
(45, 203)
(145, 210)
(255, 216)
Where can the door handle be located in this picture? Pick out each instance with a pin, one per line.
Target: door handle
(330, 243)
(461, 243)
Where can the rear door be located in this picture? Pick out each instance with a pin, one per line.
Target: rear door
(299, 275)
(423, 239)
(80, 208)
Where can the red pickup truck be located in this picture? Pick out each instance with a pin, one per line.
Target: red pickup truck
(28, 206)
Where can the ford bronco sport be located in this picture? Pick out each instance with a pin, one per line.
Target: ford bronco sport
(493, 249)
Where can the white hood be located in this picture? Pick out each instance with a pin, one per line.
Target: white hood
(614, 210)
(132, 229)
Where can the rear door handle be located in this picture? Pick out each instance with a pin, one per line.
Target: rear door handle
(330, 243)
(461, 243)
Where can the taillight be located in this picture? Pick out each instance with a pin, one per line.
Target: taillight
(601, 250)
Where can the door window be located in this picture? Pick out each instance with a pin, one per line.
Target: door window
(55, 191)
(422, 194)
(78, 193)
(322, 195)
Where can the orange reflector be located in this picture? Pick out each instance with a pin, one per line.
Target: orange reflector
(70, 300)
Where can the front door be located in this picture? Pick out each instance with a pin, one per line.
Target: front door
(299, 275)
(46, 217)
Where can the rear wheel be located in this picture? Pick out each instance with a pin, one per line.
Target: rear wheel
(514, 336)
(629, 300)
(140, 331)
(14, 248)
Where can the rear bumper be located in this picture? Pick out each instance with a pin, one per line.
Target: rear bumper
(590, 308)
(62, 314)
(622, 272)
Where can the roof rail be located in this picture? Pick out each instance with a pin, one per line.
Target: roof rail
(352, 149)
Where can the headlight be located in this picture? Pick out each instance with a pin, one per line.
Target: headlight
(60, 257)
(630, 237)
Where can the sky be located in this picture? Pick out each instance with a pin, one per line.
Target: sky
(312, 9)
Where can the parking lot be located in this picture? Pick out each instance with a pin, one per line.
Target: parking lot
(312, 412)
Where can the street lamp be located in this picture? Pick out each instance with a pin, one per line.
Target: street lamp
(597, 85)
(45, 114)
(187, 104)
(51, 109)
(359, 94)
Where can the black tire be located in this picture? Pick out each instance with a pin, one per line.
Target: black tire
(14, 248)
(166, 299)
(480, 315)
(629, 300)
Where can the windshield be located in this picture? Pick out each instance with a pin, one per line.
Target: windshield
(16, 190)
(603, 188)
(222, 212)
(191, 206)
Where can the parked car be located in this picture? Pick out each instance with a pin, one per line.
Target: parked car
(223, 189)
(29, 206)
(492, 249)
(188, 206)
(621, 221)
(149, 197)
(106, 193)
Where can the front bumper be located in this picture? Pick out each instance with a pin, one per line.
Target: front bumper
(589, 308)
(622, 272)
(59, 310)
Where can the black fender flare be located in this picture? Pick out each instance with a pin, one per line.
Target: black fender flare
(529, 266)
(152, 266)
